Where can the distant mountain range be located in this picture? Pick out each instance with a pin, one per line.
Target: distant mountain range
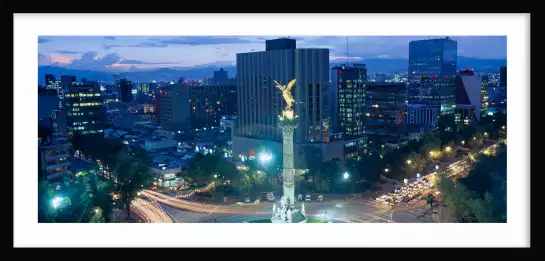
(166, 74)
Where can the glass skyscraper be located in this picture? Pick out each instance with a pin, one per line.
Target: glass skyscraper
(432, 73)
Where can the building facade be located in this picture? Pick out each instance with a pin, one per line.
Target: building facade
(260, 102)
(432, 71)
(468, 90)
(175, 107)
(385, 111)
(125, 89)
(421, 115)
(220, 77)
(55, 161)
(347, 99)
(85, 112)
(210, 102)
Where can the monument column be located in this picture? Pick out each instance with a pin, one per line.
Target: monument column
(288, 124)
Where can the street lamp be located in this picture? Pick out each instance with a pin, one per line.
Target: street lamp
(265, 157)
(409, 162)
(345, 178)
(386, 170)
(56, 202)
(436, 167)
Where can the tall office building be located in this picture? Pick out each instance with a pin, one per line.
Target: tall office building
(432, 71)
(66, 82)
(260, 102)
(468, 96)
(116, 82)
(346, 99)
(220, 77)
(385, 111)
(85, 113)
(125, 90)
(484, 95)
(174, 107)
(181, 80)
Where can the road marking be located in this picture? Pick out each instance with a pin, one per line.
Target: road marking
(213, 210)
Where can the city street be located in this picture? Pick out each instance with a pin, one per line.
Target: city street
(333, 210)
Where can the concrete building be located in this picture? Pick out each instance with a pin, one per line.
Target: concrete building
(160, 143)
(385, 111)
(220, 77)
(432, 71)
(85, 113)
(260, 102)
(175, 108)
(55, 162)
(421, 115)
(210, 102)
(125, 90)
(468, 91)
(347, 99)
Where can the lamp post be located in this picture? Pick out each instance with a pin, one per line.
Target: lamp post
(345, 178)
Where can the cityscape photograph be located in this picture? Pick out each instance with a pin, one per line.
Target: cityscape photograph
(272, 129)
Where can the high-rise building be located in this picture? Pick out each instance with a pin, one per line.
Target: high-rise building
(116, 82)
(210, 102)
(484, 95)
(220, 77)
(280, 44)
(468, 94)
(47, 102)
(174, 107)
(432, 71)
(66, 82)
(346, 99)
(125, 90)
(385, 111)
(260, 102)
(181, 80)
(85, 113)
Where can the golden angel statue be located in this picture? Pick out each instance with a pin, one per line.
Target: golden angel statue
(286, 93)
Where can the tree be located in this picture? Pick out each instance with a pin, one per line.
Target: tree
(476, 140)
(413, 164)
(243, 182)
(131, 176)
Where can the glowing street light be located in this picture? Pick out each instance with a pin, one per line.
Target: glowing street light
(386, 170)
(463, 142)
(56, 202)
(409, 161)
(265, 157)
(346, 175)
(448, 149)
(436, 167)
(215, 176)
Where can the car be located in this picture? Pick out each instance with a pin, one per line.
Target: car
(247, 200)
(308, 197)
(320, 197)
(300, 197)
(270, 196)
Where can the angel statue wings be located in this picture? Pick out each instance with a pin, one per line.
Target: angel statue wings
(286, 93)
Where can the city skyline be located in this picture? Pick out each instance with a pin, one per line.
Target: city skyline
(133, 53)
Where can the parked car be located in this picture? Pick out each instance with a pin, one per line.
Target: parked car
(247, 200)
(308, 197)
(270, 196)
(300, 197)
(320, 197)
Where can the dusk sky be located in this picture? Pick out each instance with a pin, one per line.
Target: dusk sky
(125, 53)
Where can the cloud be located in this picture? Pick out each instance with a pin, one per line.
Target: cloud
(109, 37)
(43, 59)
(140, 45)
(91, 61)
(42, 40)
(66, 52)
(201, 40)
(129, 61)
